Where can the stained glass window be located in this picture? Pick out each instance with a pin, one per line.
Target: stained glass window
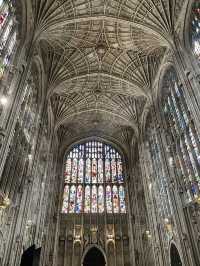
(72, 199)
(87, 199)
(7, 34)
(183, 136)
(94, 199)
(122, 199)
(101, 199)
(108, 199)
(67, 172)
(115, 200)
(79, 198)
(65, 199)
(100, 171)
(93, 175)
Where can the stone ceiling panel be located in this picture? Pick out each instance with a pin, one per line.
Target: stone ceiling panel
(101, 58)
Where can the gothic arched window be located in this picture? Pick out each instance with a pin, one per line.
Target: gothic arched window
(195, 29)
(94, 180)
(7, 35)
(182, 136)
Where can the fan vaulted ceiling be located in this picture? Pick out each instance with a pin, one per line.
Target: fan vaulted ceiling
(100, 59)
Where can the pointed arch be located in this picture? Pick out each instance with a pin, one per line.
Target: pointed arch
(88, 248)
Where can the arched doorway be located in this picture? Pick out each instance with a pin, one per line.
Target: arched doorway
(174, 256)
(31, 257)
(94, 257)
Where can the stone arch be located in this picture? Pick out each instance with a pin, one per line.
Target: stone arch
(175, 257)
(91, 248)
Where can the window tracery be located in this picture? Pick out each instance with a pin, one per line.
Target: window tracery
(183, 138)
(93, 180)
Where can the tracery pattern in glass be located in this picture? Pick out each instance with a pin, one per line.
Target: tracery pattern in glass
(93, 174)
(184, 139)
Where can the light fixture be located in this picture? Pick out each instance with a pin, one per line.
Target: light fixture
(148, 234)
(3, 100)
(4, 201)
(168, 225)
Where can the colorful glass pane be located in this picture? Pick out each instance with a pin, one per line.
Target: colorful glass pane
(80, 170)
(72, 199)
(115, 200)
(122, 199)
(74, 170)
(108, 199)
(65, 199)
(119, 171)
(79, 199)
(114, 170)
(67, 172)
(100, 171)
(107, 170)
(100, 199)
(94, 171)
(94, 199)
(88, 171)
(87, 199)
